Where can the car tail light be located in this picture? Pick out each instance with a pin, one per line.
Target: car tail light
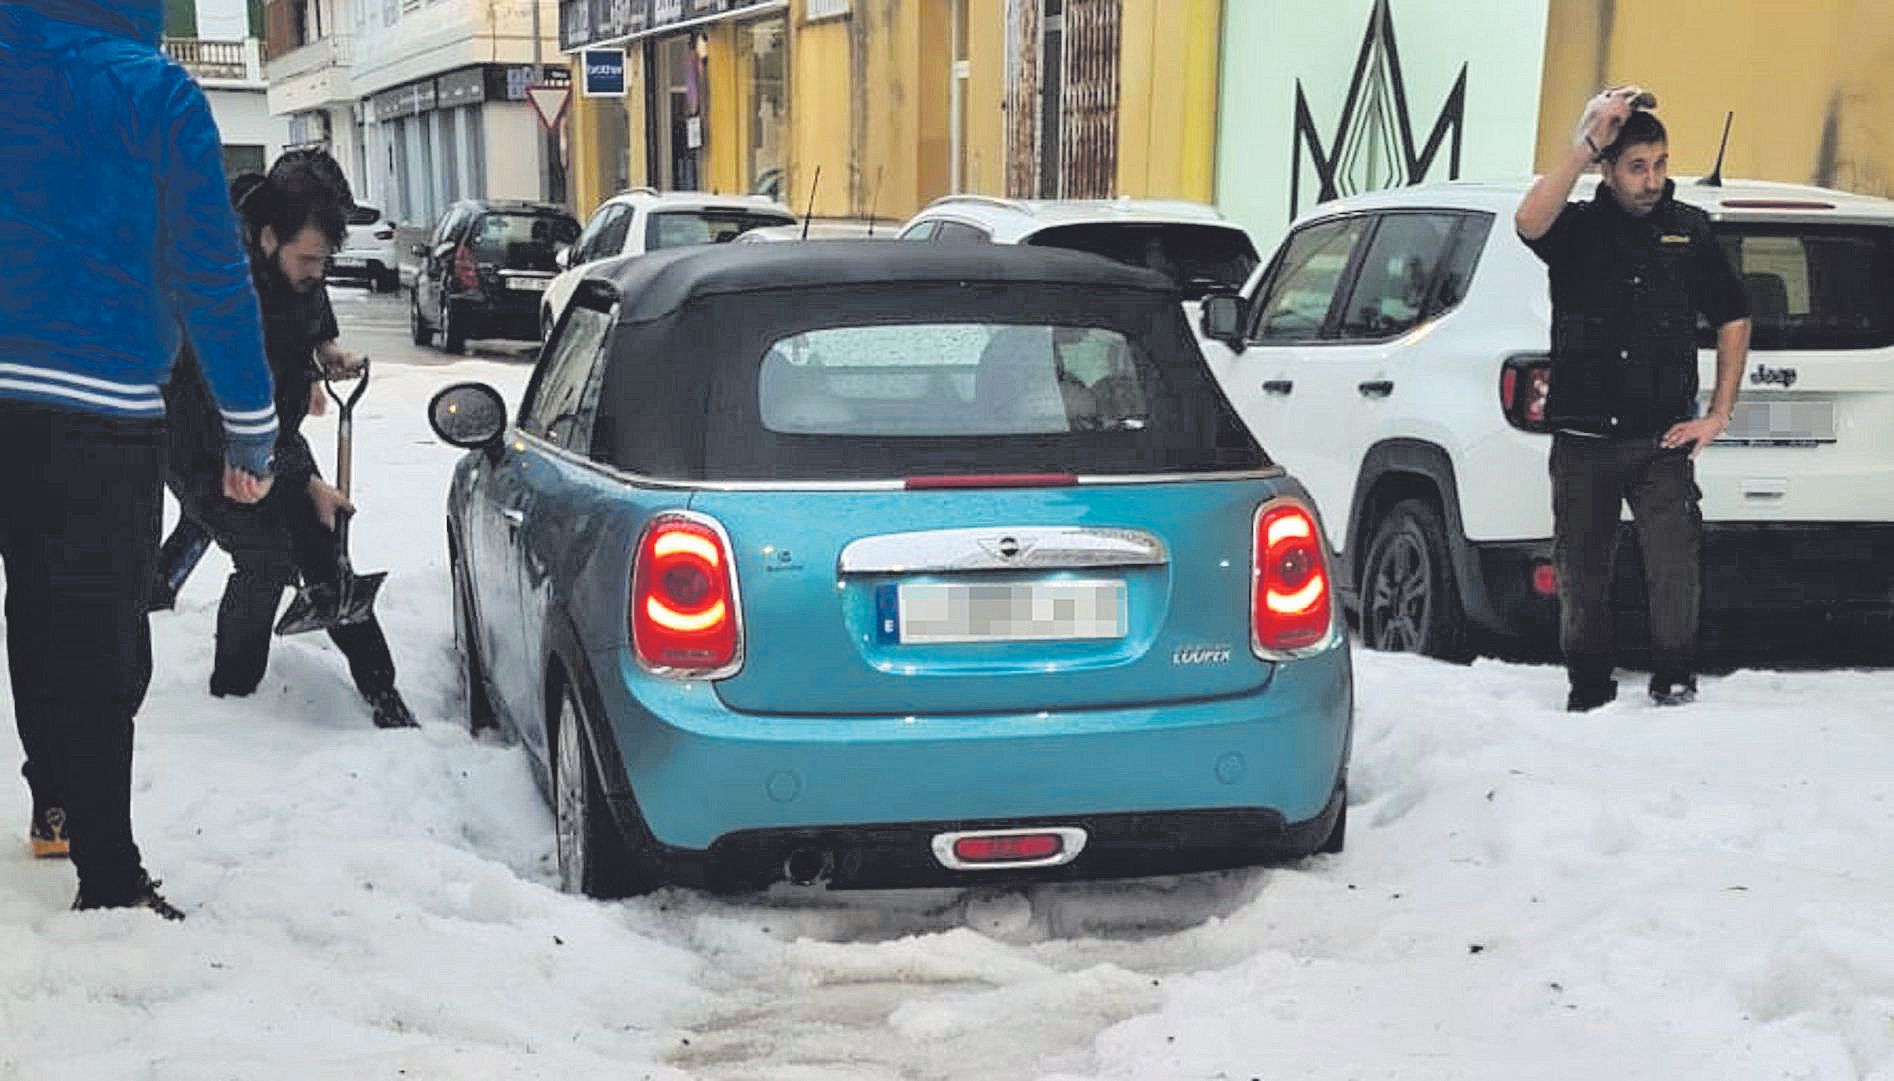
(1028, 846)
(384, 234)
(465, 271)
(1292, 599)
(1524, 382)
(685, 619)
(1545, 579)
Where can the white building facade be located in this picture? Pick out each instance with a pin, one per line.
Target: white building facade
(217, 44)
(423, 101)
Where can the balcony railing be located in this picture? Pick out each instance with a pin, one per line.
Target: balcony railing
(217, 61)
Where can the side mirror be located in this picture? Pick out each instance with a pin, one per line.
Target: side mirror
(563, 257)
(468, 415)
(1222, 319)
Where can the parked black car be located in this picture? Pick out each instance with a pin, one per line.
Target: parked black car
(483, 270)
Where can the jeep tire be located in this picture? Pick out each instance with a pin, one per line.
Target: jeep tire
(1410, 600)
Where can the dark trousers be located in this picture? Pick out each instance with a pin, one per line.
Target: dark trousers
(273, 544)
(1591, 480)
(80, 511)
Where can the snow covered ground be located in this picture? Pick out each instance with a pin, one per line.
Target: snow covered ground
(1696, 893)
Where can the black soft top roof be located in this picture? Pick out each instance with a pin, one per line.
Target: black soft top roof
(657, 284)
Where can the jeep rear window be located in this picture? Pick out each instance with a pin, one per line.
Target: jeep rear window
(364, 215)
(682, 228)
(954, 379)
(1198, 258)
(1812, 286)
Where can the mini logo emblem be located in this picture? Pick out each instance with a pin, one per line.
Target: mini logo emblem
(1201, 655)
(1006, 547)
(1764, 374)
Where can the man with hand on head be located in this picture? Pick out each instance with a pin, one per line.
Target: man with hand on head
(1631, 269)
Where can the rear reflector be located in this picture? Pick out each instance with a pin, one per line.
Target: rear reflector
(1545, 580)
(992, 480)
(1011, 849)
(1004, 849)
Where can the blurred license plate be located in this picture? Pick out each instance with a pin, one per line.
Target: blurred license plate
(529, 285)
(348, 261)
(1781, 423)
(1002, 612)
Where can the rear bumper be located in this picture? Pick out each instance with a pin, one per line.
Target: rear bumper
(899, 855)
(714, 785)
(1751, 572)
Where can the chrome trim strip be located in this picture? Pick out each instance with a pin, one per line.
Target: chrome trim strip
(1072, 840)
(998, 548)
(516, 434)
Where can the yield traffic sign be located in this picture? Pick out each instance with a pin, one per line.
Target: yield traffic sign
(549, 102)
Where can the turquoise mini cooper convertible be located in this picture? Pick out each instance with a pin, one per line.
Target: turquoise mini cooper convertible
(885, 565)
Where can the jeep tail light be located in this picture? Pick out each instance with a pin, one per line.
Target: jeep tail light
(384, 234)
(685, 620)
(1524, 382)
(1292, 599)
(465, 271)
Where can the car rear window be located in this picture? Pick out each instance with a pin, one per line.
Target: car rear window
(364, 215)
(1813, 286)
(521, 241)
(682, 228)
(954, 379)
(880, 381)
(1198, 258)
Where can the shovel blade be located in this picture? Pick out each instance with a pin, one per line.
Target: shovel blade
(328, 605)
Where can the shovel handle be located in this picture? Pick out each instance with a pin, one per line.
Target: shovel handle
(345, 431)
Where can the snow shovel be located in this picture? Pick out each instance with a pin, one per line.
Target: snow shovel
(350, 598)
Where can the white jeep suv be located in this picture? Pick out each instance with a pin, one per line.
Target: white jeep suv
(1188, 242)
(643, 220)
(1393, 355)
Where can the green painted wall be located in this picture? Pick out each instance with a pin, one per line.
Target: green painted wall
(1271, 46)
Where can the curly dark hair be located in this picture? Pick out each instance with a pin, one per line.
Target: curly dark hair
(304, 189)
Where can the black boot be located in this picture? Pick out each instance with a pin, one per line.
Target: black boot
(144, 894)
(390, 711)
(1588, 695)
(1673, 690)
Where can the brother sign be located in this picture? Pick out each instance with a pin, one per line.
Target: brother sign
(604, 73)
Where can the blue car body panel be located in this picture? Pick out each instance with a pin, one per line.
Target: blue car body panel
(826, 725)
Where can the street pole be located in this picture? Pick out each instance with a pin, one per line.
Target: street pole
(539, 155)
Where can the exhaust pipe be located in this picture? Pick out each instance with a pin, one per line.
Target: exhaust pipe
(808, 866)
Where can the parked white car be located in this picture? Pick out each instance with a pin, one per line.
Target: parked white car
(1189, 242)
(643, 220)
(1393, 355)
(369, 253)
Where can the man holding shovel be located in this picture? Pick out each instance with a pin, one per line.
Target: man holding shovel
(292, 220)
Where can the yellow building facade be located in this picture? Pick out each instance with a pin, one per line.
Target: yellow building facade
(1812, 85)
(897, 102)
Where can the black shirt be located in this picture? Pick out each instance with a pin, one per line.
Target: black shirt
(1626, 293)
(293, 325)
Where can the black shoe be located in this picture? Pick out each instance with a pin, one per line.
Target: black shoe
(1673, 692)
(390, 710)
(144, 895)
(47, 834)
(1586, 697)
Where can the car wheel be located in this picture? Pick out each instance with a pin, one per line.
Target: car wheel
(473, 676)
(1338, 836)
(1409, 601)
(417, 326)
(594, 859)
(452, 339)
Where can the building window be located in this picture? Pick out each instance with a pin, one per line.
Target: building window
(769, 104)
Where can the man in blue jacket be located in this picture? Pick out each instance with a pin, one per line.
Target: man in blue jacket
(116, 231)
